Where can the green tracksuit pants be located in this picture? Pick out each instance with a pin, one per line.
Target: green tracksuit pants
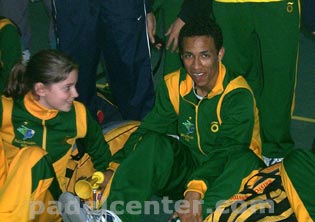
(300, 168)
(261, 42)
(161, 165)
(28, 188)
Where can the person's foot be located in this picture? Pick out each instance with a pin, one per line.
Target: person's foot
(103, 215)
(271, 161)
(72, 209)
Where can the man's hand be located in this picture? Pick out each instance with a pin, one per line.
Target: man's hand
(190, 210)
(108, 175)
(173, 33)
(151, 26)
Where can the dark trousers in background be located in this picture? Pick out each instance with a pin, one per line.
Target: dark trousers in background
(115, 29)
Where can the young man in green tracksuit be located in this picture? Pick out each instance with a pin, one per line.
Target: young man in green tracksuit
(253, 42)
(213, 113)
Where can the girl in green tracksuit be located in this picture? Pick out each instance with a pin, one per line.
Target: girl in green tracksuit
(213, 114)
(40, 123)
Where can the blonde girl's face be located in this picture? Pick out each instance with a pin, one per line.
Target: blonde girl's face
(58, 96)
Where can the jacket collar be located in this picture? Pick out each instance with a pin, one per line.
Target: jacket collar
(187, 85)
(36, 109)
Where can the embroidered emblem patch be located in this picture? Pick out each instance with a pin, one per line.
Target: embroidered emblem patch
(214, 127)
(189, 126)
(26, 132)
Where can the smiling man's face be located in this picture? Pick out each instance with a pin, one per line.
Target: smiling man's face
(201, 60)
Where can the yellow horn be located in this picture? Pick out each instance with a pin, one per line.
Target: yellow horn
(97, 178)
(84, 188)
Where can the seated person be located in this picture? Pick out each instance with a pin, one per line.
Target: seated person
(213, 113)
(40, 123)
(281, 192)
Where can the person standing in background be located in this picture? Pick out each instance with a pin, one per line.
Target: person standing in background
(17, 11)
(174, 14)
(116, 29)
(10, 49)
(261, 40)
(164, 13)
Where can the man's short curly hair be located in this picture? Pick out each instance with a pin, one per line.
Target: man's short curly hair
(201, 27)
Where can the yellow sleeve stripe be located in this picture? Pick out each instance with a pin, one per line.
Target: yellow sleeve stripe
(172, 83)
(240, 82)
(7, 126)
(5, 22)
(293, 197)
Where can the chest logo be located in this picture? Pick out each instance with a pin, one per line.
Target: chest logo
(26, 132)
(189, 126)
(214, 127)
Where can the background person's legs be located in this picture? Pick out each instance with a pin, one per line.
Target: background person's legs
(76, 23)
(123, 39)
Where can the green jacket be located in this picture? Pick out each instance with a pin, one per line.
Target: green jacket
(10, 49)
(24, 122)
(222, 124)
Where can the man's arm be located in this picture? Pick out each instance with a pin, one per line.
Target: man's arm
(161, 119)
(95, 145)
(151, 26)
(190, 10)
